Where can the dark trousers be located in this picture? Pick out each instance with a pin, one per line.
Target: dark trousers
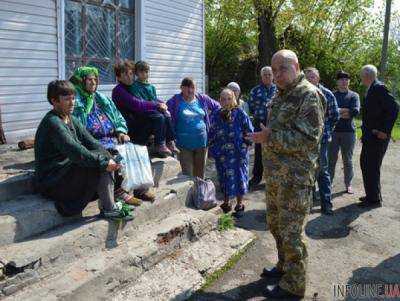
(142, 125)
(258, 168)
(372, 154)
(78, 187)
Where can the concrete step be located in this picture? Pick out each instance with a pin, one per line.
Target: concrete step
(30, 215)
(183, 273)
(16, 179)
(80, 269)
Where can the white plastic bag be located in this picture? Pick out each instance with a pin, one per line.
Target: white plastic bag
(136, 169)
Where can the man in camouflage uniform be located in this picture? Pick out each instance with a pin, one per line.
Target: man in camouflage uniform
(290, 152)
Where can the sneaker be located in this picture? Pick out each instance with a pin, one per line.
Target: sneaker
(172, 147)
(121, 211)
(349, 190)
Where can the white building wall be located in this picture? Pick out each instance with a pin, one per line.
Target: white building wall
(169, 33)
(173, 43)
(28, 61)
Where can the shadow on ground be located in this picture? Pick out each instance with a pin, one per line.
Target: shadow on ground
(387, 272)
(252, 220)
(251, 291)
(337, 225)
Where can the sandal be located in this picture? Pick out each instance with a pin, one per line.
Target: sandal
(127, 198)
(226, 207)
(146, 196)
(239, 210)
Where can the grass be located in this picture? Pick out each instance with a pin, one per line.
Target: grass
(395, 131)
(225, 222)
(210, 279)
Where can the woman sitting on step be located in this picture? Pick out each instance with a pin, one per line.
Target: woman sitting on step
(102, 119)
(71, 167)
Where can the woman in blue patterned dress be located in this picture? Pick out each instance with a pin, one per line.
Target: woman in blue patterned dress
(228, 146)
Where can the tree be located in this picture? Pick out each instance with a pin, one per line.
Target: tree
(267, 14)
(384, 55)
(230, 40)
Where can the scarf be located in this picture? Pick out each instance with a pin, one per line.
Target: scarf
(78, 80)
(226, 112)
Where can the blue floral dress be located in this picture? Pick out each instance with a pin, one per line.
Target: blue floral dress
(229, 148)
(101, 127)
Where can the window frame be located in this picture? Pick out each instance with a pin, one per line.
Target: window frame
(84, 59)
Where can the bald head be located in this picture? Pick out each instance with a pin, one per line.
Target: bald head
(287, 55)
(285, 66)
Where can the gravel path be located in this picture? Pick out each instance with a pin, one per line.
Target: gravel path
(352, 246)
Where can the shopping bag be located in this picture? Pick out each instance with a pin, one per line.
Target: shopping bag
(136, 167)
(203, 194)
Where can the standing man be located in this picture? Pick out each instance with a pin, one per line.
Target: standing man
(379, 113)
(291, 149)
(344, 135)
(331, 117)
(260, 96)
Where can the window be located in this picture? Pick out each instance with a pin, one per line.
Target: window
(98, 33)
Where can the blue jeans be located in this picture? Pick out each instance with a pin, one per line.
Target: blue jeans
(323, 178)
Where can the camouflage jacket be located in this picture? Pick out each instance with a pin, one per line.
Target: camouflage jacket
(296, 119)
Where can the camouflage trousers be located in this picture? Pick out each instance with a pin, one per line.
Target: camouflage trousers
(287, 209)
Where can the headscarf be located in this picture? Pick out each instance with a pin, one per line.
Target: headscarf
(78, 79)
(226, 112)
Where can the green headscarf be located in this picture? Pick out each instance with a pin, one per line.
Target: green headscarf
(78, 79)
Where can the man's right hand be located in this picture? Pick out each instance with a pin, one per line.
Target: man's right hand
(113, 166)
(162, 107)
(344, 113)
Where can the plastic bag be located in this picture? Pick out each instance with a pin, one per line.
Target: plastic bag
(203, 194)
(136, 169)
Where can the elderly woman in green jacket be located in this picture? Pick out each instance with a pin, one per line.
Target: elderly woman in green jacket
(71, 167)
(102, 119)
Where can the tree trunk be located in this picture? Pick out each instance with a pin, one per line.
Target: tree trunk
(267, 40)
(384, 53)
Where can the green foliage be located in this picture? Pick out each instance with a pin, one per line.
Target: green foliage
(328, 34)
(225, 222)
(231, 38)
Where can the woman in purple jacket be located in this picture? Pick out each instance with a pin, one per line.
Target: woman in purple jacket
(190, 113)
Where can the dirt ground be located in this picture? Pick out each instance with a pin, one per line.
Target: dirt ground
(352, 246)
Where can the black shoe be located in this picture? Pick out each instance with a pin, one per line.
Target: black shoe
(362, 199)
(326, 211)
(370, 205)
(274, 272)
(276, 292)
(226, 207)
(254, 182)
(239, 211)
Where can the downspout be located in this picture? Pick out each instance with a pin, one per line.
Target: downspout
(2, 137)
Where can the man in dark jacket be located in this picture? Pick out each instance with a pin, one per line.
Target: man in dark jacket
(379, 113)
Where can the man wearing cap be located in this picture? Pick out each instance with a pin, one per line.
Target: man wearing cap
(344, 135)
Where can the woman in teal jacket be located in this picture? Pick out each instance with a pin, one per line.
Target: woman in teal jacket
(101, 118)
